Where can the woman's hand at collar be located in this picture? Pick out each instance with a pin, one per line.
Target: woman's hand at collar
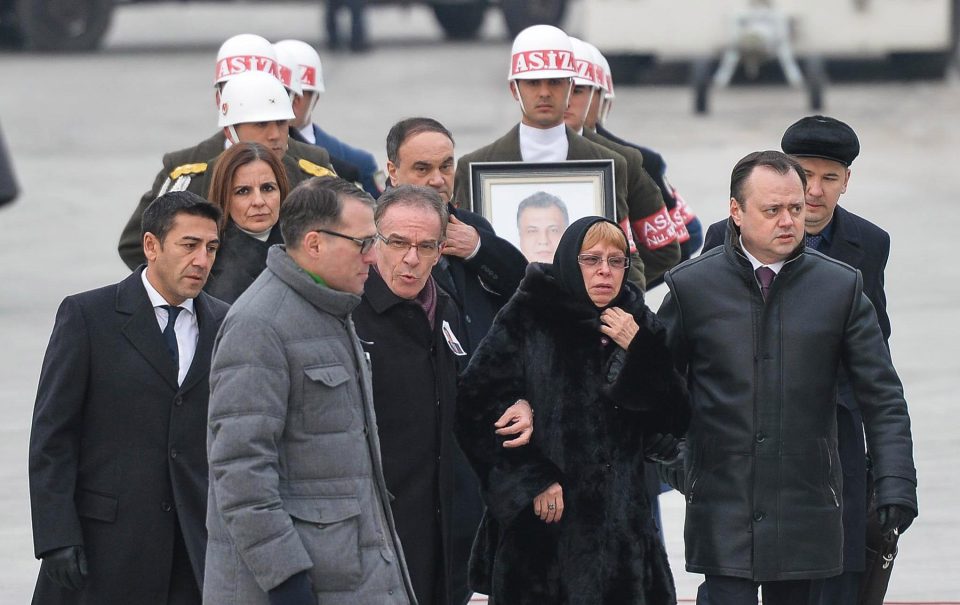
(619, 325)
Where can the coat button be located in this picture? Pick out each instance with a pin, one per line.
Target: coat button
(165, 507)
(173, 453)
(761, 437)
(178, 401)
(759, 515)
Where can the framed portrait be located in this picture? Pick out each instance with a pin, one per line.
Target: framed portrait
(531, 204)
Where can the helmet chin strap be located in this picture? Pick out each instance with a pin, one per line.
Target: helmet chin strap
(233, 134)
(604, 111)
(583, 118)
(314, 99)
(516, 91)
(523, 110)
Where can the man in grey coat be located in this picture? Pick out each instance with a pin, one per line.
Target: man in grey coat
(298, 509)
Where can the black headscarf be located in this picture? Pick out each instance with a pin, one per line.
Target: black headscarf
(567, 270)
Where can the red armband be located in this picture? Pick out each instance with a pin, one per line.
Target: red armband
(625, 225)
(685, 210)
(656, 230)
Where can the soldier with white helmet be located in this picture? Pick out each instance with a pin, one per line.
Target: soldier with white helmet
(295, 55)
(542, 68)
(653, 230)
(243, 53)
(689, 230)
(252, 105)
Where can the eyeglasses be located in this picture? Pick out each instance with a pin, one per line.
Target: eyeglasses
(614, 262)
(424, 249)
(365, 243)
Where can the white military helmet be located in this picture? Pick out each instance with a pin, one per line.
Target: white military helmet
(311, 70)
(608, 90)
(584, 60)
(541, 52)
(253, 96)
(243, 53)
(599, 68)
(289, 69)
(608, 95)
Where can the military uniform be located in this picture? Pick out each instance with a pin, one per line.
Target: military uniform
(653, 229)
(689, 229)
(190, 169)
(507, 149)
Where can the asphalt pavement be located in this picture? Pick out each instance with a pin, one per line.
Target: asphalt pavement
(87, 133)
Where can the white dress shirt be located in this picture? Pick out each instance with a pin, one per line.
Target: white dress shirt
(308, 134)
(775, 267)
(186, 327)
(544, 145)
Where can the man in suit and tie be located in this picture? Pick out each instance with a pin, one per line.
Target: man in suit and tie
(825, 148)
(118, 470)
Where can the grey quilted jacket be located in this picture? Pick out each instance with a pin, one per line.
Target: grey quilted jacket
(296, 481)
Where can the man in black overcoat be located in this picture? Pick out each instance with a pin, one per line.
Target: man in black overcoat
(118, 469)
(768, 428)
(826, 148)
(410, 328)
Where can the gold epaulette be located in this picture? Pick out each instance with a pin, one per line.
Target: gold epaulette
(315, 169)
(188, 169)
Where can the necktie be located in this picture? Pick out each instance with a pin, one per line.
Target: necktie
(765, 276)
(170, 334)
(814, 241)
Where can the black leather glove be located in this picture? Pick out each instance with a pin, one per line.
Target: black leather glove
(295, 590)
(892, 517)
(661, 447)
(66, 566)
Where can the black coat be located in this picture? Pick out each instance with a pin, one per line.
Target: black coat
(864, 246)
(593, 404)
(436, 504)
(240, 260)
(483, 284)
(762, 475)
(118, 450)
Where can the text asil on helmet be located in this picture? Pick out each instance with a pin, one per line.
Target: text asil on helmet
(536, 60)
(241, 63)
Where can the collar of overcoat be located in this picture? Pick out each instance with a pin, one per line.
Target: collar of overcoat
(144, 333)
(336, 303)
(846, 245)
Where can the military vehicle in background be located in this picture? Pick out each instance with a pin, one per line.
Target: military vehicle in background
(79, 25)
(804, 42)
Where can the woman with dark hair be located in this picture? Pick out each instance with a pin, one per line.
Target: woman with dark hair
(248, 184)
(568, 519)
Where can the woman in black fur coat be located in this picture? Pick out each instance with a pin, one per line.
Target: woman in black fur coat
(568, 520)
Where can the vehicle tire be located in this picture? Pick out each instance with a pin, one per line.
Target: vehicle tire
(521, 14)
(816, 80)
(460, 21)
(701, 79)
(914, 66)
(63, 25)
